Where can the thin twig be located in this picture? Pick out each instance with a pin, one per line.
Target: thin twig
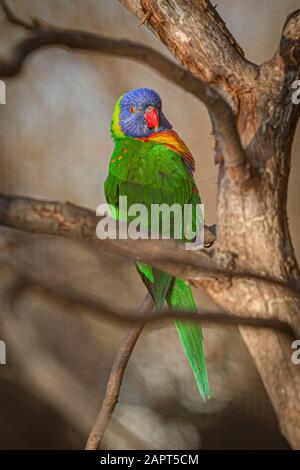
(99, 308)
(115, 379)
(14, 19)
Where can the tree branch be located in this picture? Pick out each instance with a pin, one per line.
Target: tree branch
(201, 267)
(76, 223)
(196, 26)
(64, 219)
(48, 35)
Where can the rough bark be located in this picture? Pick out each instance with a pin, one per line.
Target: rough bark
(260, 97)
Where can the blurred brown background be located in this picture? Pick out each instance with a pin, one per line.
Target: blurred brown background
(55, 144)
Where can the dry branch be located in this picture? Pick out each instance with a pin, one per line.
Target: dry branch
(115, 379)
(79, 224)
(49, 36)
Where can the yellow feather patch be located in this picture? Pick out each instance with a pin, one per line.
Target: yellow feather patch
(115, 122)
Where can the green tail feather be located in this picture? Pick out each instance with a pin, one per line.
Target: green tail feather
(179, 296)
(162, 283)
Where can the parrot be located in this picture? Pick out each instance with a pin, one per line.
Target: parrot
(151, 164)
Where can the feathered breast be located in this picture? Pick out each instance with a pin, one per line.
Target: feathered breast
(172, 140)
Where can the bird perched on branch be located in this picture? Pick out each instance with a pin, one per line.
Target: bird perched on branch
(150, 165)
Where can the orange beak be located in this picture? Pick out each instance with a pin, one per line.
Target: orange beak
(152, 119)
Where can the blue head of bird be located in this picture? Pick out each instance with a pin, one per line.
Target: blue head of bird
(138, 113)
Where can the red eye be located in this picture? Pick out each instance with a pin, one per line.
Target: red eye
(132, 109)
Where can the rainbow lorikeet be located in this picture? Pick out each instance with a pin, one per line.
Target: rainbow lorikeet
(150, 164)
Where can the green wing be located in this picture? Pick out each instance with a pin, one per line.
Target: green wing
(151, 168)
(148, 173)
